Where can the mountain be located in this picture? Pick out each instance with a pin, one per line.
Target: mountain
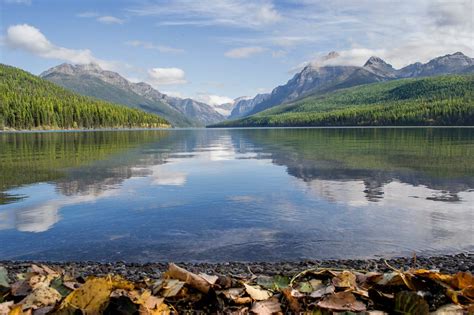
(448, 64)
(91, 80)
(244, 105)
(197, 113)
(317, 79)
(29, 102)
(446, 100)
(225, 109)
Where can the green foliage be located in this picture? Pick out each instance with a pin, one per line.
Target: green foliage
(443, 101)
(29, 102)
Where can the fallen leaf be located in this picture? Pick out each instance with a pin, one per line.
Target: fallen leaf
(345, 279)
(462, 280)
(296, 293)
(57, 284)
(257, 293)
(277, 282)
(172, 287)
(37, 269)
(5, 307)
(210, 279)
(292, 301)
(91, 297)
(41, 297)
(16, 310)
(434, 275)
(232, 293)
(280, 282)
(316, 284)
(154, 306)
(188, 277)
(265, 281)
(268, 307)
(342, 301)
(468, 292)
(450, 309)
(391, 278)
(20, 288)
(323, 291)
(407, 302)
(4, 281)
(305, 287)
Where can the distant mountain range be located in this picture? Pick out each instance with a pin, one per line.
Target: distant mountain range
(444, 100)
(91, 80)
(314, 79)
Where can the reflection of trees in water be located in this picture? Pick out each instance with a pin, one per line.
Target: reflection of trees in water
(92, 162)
(435, 158)
(28, 158)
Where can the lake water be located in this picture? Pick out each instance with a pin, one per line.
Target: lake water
(248, 195)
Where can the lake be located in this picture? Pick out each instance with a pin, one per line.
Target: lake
(242, 195)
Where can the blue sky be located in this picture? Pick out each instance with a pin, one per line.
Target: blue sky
(214, 50)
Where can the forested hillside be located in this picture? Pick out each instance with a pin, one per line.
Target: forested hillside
(443, 100)
(29, 102)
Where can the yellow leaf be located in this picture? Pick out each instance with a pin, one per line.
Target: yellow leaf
(345, 279)
(257, 293)
(91, 297)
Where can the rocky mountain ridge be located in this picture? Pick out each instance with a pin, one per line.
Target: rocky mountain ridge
(92, 80)
(315, 78)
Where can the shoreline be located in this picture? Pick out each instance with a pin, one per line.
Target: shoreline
(449, 264)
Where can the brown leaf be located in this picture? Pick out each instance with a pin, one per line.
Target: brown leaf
(268, 307)
(21, 288)
(172, 287)
(210, 279)
(462, 280)
(342, 301)
(193, 280)
(323, 291)
(345, 279)
(468, 292)
(292, 301)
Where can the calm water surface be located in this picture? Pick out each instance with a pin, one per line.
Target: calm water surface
(216, 195)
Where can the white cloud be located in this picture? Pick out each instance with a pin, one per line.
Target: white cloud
(88, 14)
(164, 177)
(174, 94)
(213, 99)
(30, 39)
(244, 52)
(150, 45)
(104, 19)
(279, 53)
(166, 76)
(107, 19)
(236, 13)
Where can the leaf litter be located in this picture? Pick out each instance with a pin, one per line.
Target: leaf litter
(51, 290)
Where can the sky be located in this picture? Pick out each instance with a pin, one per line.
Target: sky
(218, 50)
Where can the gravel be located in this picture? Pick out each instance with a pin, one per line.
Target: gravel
(140, 271)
